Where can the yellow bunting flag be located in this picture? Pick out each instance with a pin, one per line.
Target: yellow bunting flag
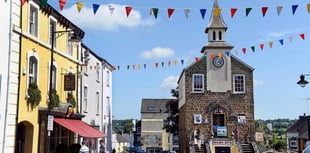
(308, 7)
(219, 55)
(175, 62)
(217, 11)
(79, 6)
(270, 44)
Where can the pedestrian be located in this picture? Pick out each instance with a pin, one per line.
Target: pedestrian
(84, 148)
(102, 148)
(113, 150)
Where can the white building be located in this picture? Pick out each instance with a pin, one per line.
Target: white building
(96, 94)
(9, 71)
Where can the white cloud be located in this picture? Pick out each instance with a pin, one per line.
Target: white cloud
(258, 82)
(170, 82)
(157, 53)
(103, 20)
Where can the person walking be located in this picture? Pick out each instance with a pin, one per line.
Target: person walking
(84, 148)
(102, 147)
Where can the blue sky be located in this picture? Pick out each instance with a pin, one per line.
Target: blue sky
(142, 39)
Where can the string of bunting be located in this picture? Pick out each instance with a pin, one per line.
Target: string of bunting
(170, 11)
(196, 59)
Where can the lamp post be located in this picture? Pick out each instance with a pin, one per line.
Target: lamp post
(73, 38)
(302, 82)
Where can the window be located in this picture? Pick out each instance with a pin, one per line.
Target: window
(220, 35)
(198, 83)
(85, 97)
(33, 69)
(70, 45)
(238, 83)
(97, 72)
(52, 29)
(33, 20)
(97, 100)
(151, 108)
(54, 74)
(214, 35)
(108, 78)
(197, 119)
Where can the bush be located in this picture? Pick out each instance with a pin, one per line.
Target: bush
(34, 95)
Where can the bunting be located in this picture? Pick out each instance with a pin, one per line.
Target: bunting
(170, 11)
(23, 2)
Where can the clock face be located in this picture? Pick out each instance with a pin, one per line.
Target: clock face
(218, 61)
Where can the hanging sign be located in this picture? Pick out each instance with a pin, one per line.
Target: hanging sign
(69, 84)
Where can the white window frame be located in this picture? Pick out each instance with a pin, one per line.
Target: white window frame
(70, 44)
(85, 98)
(34, 67)
(238, 85)
(33, 23)
(196, 89)
(197, 118)
(53, 21)
(97, 72)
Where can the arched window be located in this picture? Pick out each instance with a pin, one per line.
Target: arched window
(220, 35)
(33, 70)
(54, 75)
(214, 35)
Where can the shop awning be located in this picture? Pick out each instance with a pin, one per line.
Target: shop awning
(80, 128)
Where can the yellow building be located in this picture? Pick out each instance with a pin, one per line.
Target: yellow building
(42, 26)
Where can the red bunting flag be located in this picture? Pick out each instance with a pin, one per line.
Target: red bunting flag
(156, 65)
(264, 10)
(244, 50)
(133, 67)
(128, 10)
(233, 12)
(196, 59)
(302, 36)
(151, 11)
(23, 2)
(170, 12)
(261, 46)
(169, 63)
(62, 3)
(212, 56)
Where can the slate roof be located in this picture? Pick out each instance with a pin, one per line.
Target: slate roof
(154, 105)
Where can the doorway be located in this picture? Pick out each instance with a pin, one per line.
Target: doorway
(222, 149)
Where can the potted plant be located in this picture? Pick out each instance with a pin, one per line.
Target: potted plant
(34, 95)
(54, 99)
(71, 99)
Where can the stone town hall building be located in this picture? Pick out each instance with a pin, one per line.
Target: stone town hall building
(216, 103)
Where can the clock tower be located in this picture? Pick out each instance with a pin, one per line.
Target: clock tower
(216, 50)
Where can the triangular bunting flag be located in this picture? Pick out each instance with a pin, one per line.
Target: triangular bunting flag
(144, 65)
(270, 44)
(62, 3)
(139, 66)
(151, 11)
(244, 50)
(247, 11)
(196, 59)
(308, 7)
(155, 11)
(294, 8)
(281, 41)
(162, 64)
(217, 11)
(233, 12)
(79, 6)
(264, 10)
(302, 36)
(203, 13)
(43, 3)
(133, 66)
(291, 39)
(212, 56)
(156, 65)
(118, 67)
(279, 9)
(187, 12)
(111, 9)
(95, 8)
(227, 53)
(182, 61)
(204, 57)
(23, 2)
(170, 12)
(219, 55)
(128, 10)
(253, 48)
(261, 46)
(128, 66)
(169, 63)
(175, 62)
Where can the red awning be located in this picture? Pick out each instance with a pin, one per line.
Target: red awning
(80, 128)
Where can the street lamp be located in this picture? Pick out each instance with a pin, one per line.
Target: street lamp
(302, 82)
(73, 38)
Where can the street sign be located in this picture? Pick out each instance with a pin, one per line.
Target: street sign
(50, 122)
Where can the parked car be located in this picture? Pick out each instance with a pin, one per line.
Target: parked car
(135, 150)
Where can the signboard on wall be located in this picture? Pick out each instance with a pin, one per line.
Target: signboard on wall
(69, 84)
(221, 131)
(259, 136)
(241, 119)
